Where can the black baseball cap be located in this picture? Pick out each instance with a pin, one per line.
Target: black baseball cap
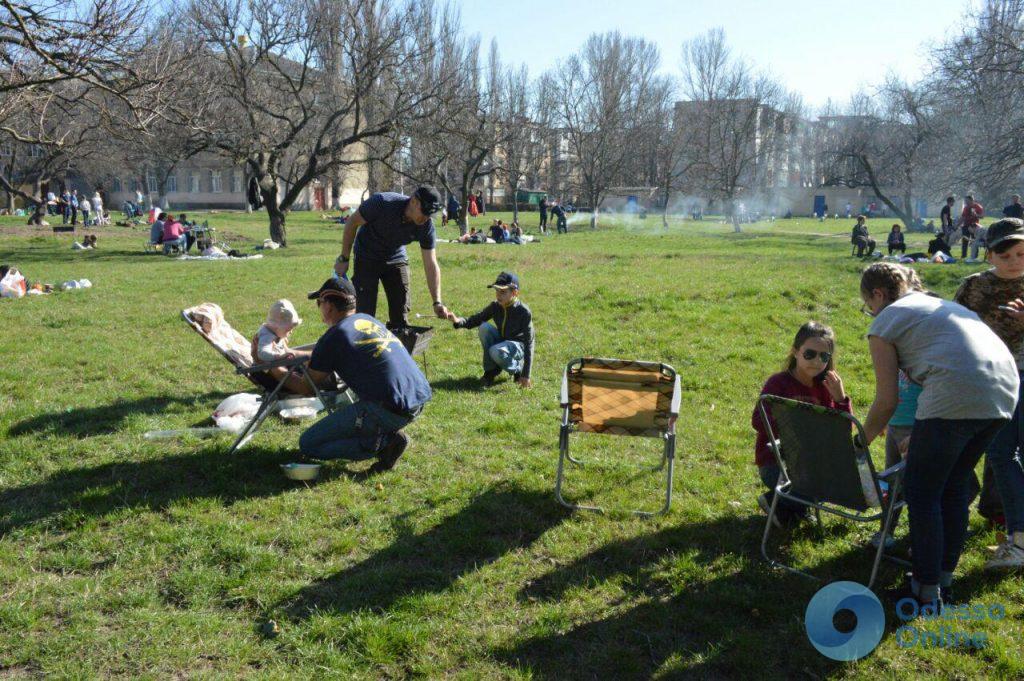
(334, 285)
(1007, 229)
(430, 199)
(505, 280)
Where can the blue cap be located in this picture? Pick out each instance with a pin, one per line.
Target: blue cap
(505, 280)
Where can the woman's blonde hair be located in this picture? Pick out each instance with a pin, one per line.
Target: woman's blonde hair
(894, 279)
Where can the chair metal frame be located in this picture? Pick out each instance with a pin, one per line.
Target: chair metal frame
(889, 503)
(259, 375)
(667, 434)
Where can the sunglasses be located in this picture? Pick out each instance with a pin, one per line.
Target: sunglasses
(811, 354)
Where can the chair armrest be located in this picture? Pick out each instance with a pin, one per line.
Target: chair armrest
(563, 399)
(307, 346)
(892, 471)
(276, 364)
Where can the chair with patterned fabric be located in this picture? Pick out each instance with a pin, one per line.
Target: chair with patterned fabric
(619, 397)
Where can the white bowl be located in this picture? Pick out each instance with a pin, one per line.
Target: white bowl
(301, 471)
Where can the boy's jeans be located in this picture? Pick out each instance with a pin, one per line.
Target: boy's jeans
(1002, 456)
(355, 432)
(500, 355)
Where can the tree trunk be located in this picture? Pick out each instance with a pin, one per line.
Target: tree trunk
(464, 213)
(664, 208)
(268, 190)
(515, 203)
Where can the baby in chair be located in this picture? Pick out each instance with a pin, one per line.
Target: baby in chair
(271, 341)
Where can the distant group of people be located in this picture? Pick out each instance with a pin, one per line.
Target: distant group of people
(172, 233)
(70, 206)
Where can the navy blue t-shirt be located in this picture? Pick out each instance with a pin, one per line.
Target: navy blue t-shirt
(383, 237)
(372, 362)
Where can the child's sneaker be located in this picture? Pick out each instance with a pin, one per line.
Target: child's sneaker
(489, 377)
(1009, 555)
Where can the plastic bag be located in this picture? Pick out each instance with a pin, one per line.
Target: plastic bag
(13, 284)
(242, 404)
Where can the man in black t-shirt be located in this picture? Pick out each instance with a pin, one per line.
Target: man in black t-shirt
(386, 222)
(542, 206)
(372, 362)
(946, 216)
(1015, 209)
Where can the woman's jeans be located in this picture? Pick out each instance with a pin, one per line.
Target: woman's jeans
(358, 431)
(939, 485)
(1004, 456)
(499, 355)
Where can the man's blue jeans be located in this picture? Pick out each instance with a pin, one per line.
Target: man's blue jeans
(355, 432)
(499, 355)
(939, 484)
(1002, 456)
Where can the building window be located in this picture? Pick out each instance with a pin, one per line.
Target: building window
(236, 182)
(115, 184)
(152, 186)
(193, 182)
(172, 183)
(35, 151)
(215, 182)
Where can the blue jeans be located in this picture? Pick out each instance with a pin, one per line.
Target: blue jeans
(499, 355)
(355, 432)
(939, 485)
(769, 474)
(1002, 455)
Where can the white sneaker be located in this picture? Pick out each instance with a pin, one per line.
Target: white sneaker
(877, 537)
(1009, 555)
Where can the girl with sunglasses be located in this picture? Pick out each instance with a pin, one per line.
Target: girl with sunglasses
(969, 385)
(810, 376)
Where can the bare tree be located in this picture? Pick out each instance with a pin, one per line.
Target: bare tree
(70, 71)
(885, 143)
(979, 82)
(306, 84)
(737, 114)
(522, 150)
(602, 92)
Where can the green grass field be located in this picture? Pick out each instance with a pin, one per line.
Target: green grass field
(124, 557)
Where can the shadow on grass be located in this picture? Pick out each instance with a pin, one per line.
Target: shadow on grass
(463, 384)
(105, 419)
(151, 484)
(502, 519)
(724, 615)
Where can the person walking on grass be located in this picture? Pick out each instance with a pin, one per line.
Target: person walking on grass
(508, 342)
(969, 387)
(374, 241)
(372, 362)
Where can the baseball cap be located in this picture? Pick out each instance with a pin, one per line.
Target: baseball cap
(505, 280)
(1007, 229)
(332, 285)
(430, 199)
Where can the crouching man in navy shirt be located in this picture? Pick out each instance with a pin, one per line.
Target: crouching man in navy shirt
(372, 362)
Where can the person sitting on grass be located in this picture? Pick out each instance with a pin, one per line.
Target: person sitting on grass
(861, 239)
(372, 362)
(508, 343)
(938, 245)
(156, 230)
(498, 232)
(271, 342)
(896, 241)
(810, 376)
(174, 235)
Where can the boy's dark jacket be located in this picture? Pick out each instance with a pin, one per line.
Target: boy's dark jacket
(514, 322)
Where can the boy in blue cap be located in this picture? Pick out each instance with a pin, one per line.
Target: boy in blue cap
(508, 342)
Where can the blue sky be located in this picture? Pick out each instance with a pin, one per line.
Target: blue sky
(821, 49)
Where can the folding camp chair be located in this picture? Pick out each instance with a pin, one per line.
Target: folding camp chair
(821, 469)
(619, 397)
(208, 321)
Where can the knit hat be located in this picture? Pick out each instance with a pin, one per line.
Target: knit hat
(282, 316)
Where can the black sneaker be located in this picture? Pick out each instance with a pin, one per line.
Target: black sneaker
(489, 377)
(387, 457)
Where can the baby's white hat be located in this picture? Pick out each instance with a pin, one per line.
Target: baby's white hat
(283, 316)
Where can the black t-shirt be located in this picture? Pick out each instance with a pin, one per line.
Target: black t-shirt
(372, 362)
(944, 217)
(383, 237)
(1014, 210)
